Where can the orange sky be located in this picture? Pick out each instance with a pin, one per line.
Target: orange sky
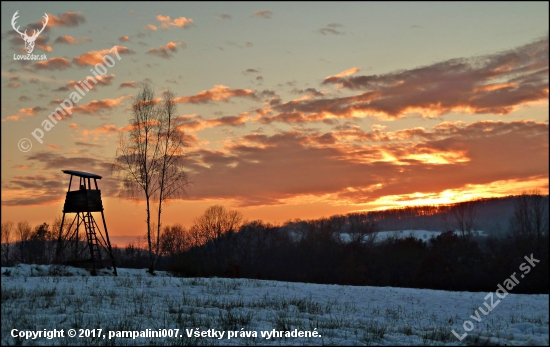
(287, 113)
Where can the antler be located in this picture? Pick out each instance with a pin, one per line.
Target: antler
(35, 34)
(13, 19)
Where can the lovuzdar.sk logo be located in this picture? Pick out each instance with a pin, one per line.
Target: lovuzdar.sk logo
(29, 40)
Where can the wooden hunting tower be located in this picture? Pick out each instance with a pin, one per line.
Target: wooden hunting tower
(83, 202)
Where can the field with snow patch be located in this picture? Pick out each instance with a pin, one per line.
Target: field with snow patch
(38, 297)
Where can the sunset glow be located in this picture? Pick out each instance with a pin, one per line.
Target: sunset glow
(289, 112)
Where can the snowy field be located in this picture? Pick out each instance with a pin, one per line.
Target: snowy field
(253, 312)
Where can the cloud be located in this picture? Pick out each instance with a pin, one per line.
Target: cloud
(228, 121)
(330, 31)
(224, 16)
(129, 84)
(87, 144)
(99, 105)
(66, 39)
(168, 23)
(259, 169)
(101, 130)
(57, 63)
(344, 73)
(25, 112)
(196, 122)
(495, 84)
(263, 14)
(218, 93)
(250, 71)
(66, 20)
(41, 42)
(47, 189)
(123, 38)
(105, 80)
(150, 27)
(166, 50)
(309, 91)
(96, 57)
(69, 40)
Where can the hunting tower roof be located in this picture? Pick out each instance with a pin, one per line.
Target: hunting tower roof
(81, 174)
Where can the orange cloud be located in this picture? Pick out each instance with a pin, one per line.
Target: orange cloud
(195, 122)
(44, 47)
(163, 18)
(105, 80)
(66, 39)
(218, 93)
(344, 73)
(180, 22)
(96, 57)
(98, 105)
(166, 50)
(69, 40)
(25, 112)
(57, 63)
(129, 84)
(66, 20)
(460, 85)
(104, 129)
(259, 169)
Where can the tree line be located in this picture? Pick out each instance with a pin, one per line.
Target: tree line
(343, 249)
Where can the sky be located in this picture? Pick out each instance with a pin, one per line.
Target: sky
(291, 110)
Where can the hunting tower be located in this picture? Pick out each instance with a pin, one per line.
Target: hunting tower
(83, 202)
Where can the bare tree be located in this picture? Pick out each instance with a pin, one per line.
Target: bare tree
(446, 220)
(465, 214)
(530, 220)
(7, 228)
(174, 239)
(362, 229)
(171, 174)
(24, 233)
(150, 159)
(215, 222)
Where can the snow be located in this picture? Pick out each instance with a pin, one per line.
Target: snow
(33, 299)
(424, 235)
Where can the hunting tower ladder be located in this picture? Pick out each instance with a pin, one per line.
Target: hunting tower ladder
(83, 201)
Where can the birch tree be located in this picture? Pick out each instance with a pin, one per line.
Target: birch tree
(150, 160)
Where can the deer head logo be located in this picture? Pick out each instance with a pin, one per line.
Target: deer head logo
(29, 40)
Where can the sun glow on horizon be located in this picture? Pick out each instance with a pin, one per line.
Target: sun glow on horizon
(451, 196)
